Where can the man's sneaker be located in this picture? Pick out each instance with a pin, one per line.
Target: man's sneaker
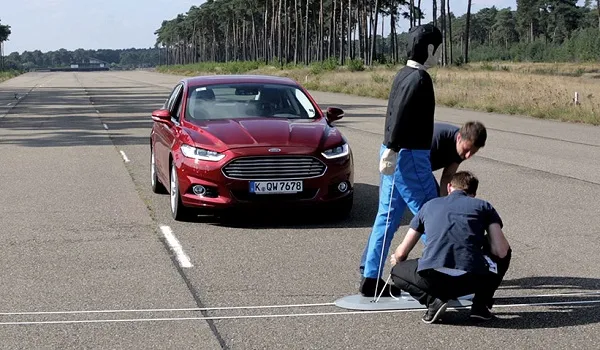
(434, 311)
(481, 312)
(367, 288)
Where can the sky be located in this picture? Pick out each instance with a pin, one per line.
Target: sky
(49, 25)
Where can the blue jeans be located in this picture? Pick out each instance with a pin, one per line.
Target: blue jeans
(414, 185)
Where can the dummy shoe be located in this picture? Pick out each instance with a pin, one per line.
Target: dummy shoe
(368, 285)
(387, 163)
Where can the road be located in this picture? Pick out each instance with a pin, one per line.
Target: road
(85, 261)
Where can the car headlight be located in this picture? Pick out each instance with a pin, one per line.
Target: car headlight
(202, 154)
(337, 152)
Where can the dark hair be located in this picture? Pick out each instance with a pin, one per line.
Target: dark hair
(466, 181)
(474, 132)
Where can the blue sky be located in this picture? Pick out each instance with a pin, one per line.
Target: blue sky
(113, 24)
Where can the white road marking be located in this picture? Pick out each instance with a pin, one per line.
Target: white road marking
(124, 157)
(162, 310)
(173, 243)
(280, 315)
(8, 104)
(105, 126)
(97, 111)
(574, 294)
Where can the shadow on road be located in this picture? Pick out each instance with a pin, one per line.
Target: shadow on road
(65, 116)
(559, 311)
(552, 282)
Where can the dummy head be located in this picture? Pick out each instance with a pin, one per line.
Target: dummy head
(423, 43)
(464, 181)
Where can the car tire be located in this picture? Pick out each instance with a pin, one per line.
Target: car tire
(179, 212)
(157, 186)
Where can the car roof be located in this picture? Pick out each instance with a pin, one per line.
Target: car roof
(238, 78)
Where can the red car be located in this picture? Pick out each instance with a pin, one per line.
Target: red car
(229, 141)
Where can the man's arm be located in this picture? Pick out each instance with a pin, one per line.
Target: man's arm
(498, 243)
(409, 242)
(447, 174)
(416, 229)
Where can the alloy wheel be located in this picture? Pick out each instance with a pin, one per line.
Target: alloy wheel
(152, 170)
(174, 188)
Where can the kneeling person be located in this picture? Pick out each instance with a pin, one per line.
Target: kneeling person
(459, 258)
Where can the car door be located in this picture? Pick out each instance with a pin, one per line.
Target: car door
(164, 135)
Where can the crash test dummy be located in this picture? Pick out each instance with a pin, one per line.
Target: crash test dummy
(405, 167)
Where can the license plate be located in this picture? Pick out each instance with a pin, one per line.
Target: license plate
(273, 187)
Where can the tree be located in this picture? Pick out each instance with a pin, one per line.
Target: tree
(4, 34)
(467, 32)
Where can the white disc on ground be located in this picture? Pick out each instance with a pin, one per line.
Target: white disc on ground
(404, 302)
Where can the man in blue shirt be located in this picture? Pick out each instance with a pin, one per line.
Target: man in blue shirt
(449, 147)
(459, 258)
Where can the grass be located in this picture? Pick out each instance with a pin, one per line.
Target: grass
(5, 75)
(540, 90)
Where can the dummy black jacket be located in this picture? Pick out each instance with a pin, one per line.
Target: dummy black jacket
(410, 111)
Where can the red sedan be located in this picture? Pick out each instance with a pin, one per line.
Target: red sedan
(229, 141)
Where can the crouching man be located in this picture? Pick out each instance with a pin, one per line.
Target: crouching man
(459, 258)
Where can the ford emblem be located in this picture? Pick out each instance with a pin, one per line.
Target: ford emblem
(274, 150)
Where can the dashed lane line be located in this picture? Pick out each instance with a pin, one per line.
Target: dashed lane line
(124, 157)
(175, 246)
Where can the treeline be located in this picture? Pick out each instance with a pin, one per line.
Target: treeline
(119, 59)
(116, 59)
(307, 31)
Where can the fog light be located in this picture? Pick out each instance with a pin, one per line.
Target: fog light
(343, 186)
(199, 190)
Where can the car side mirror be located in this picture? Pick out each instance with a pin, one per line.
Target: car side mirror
(333, 113)
(162, 116)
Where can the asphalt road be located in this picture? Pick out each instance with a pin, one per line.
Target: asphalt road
(85, 263)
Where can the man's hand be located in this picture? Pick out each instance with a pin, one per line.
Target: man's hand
(387, 163)
(397, 256)
(447, 174)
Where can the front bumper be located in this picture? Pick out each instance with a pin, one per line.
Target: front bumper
(222, 192)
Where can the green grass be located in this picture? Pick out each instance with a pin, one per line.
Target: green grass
(5, 75)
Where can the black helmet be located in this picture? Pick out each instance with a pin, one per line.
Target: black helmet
(419, 39)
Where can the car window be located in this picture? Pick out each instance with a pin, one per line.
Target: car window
(176, 106)
(305, 102)
(246, 100)
(173, 97)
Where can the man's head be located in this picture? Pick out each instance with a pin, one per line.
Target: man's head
(423, 43)
(471, 137)
(465, 181)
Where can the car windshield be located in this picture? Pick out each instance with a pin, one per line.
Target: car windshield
(228, 101)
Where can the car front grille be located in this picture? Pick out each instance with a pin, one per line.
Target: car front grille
(274, 168)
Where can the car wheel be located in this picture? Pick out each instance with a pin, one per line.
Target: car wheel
(157, 187)
(178, 210)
